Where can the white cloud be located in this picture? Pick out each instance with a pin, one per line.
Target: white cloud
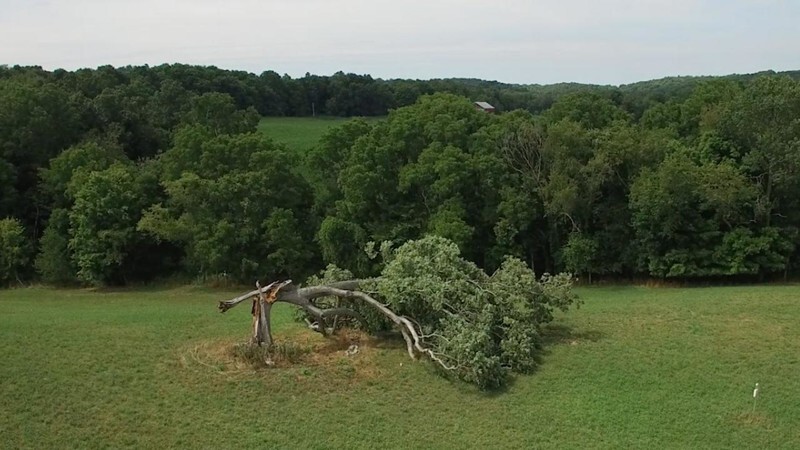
(612, 41)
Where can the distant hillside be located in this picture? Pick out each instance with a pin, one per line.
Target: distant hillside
(347, 94)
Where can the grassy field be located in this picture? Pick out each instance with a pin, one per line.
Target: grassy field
(300, 133)
(633, 368)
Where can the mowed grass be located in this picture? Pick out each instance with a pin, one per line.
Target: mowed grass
(633, 368)
(301, 133)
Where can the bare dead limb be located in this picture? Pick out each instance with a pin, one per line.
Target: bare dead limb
(523, 151)
(286, 292)
(308, 292)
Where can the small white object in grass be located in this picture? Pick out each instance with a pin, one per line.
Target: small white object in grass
(755, 398)
(352, 350)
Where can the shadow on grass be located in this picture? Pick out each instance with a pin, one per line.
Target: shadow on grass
(309, 358)
(551, 334)
(555, 334)
(558, 334)
(389, 340)
(393, 341)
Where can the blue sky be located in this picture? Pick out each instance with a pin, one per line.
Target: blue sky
(518, 41)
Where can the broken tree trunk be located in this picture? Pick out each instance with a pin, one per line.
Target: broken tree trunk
(264, 297)
(262, 333)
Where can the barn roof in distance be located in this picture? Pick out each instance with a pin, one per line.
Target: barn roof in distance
(484, 105)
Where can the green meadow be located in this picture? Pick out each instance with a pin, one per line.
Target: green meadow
(634, 367)
(301, 133)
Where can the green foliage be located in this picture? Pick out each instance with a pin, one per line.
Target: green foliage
(341, 244)
(68, 171)
(234, 205)
(331, 274)
(427, 278)
(373, 320)
(580, 254)
(761, 125)
(103, 223)
(54, 262)
(7, 192)
(37, 121)
(427, 168)
(450, 222)
(744, 252)
(523, 305)
(589, 109)
(218, 113)
(14, 250)
(357, 95)
(486, 327)
(690, 216)
(324, 161)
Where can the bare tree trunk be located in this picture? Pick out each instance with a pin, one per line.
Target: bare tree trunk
(262, 331)
(266, 326)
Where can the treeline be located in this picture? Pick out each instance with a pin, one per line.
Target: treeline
(271, 94)
(340, 94)
(110, 176)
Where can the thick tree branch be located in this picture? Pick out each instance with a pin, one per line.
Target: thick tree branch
(287, 293)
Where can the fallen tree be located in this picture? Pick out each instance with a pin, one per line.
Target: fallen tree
(264, 297)
(473, 326)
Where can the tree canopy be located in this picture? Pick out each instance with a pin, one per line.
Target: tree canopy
(125, 174)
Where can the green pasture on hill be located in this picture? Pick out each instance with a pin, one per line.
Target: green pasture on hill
(301, 133)
(633, 368)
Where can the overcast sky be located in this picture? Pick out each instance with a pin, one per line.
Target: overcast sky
(518, 41)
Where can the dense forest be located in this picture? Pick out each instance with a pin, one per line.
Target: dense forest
(120, 175)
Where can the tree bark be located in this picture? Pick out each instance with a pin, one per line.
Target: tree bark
(310, 292)
(288, 293)
(263, 330)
